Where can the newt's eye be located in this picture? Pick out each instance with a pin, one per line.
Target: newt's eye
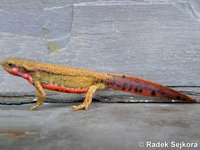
(11, 65)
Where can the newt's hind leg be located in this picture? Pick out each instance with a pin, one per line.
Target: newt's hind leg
(40, 94)
(89, 95)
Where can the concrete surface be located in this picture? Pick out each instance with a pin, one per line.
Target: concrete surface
(112, 126)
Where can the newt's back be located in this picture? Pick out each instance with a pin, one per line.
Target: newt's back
(28, 65)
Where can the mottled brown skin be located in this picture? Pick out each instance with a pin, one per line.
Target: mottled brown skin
(76, 80)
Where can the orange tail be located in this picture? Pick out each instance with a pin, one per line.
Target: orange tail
(143, 87)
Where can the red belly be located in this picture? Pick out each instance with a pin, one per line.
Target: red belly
(64, 89)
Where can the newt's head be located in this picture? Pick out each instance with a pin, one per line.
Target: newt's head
(14, 66)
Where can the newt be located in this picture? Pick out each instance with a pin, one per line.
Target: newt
(75, 80)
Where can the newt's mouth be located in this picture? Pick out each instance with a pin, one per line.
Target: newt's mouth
(14, 71)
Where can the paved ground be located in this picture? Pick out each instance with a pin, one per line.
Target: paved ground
(110, 126)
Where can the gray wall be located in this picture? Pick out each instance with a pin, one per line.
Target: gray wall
(156, 40)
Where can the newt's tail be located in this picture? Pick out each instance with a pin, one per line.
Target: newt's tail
(143, 87)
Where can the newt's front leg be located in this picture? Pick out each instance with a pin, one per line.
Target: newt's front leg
(40, 93)
(89, 95)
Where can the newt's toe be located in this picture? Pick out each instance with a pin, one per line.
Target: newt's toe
(79, 107)
(33, 107)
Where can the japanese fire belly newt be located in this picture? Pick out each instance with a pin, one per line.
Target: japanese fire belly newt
(75, 80)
